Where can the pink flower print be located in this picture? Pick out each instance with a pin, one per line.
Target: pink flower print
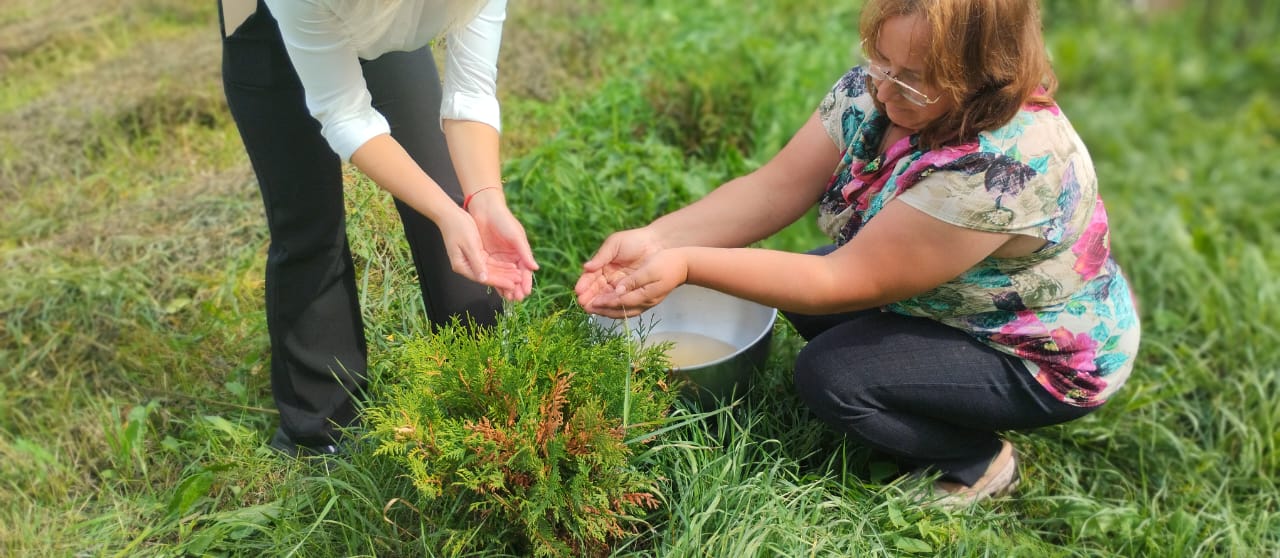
(1053, 108)
(1079, 349)
(1066, 359)
(1067, 370)
(1094, 247)
(944, 155)
(1024, 323)
(1025, 335)
(932, 160)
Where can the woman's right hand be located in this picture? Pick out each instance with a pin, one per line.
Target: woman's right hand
(468, 257)
(505, 240)
(617, 256)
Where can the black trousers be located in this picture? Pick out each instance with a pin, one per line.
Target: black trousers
(318, 349)
(926, 393)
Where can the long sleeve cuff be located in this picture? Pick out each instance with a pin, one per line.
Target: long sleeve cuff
(347, 135)
(476, 108)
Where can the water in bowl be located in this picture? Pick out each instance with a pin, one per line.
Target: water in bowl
(688, 348)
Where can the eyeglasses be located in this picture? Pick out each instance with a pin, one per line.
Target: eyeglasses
(880, 72)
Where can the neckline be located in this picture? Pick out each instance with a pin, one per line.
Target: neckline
(890, 155)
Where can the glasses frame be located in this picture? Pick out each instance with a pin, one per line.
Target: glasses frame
(880, 72)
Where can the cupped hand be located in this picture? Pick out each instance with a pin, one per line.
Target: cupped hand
(469, 258)
(505, 241)
(631, 289)
(618, 255)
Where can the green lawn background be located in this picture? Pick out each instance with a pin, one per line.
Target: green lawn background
(133, 353)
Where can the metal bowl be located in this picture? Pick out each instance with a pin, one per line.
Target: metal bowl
(745, 326)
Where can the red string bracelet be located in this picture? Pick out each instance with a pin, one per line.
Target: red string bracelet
(466, 201)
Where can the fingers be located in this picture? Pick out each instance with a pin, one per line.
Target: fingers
(586, 282)
(517, 240)
(625, 298)
(521, 286)
(607, 252)
(504, 239)
(611, 306)
(511, 295)
(526, 286)
(478, 266)
(631, 296)
(503, 281)
(523, 277)
(511, 233)
(594, 269)
(590, 286)
(526, 254)
(641, 281)
(612, 313)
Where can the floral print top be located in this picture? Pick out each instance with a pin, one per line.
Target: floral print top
(1065, 310)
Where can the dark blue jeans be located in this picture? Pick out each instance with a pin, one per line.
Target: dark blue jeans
(318, 350)
(926, 393)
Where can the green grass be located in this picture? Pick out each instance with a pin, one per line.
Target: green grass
(133, 350)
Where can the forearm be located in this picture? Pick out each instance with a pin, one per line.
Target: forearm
(901, 254)
(473, 148)
(384, 161)
(793, 282)
(742, 211)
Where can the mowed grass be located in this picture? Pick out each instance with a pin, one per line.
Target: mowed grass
(134, 398)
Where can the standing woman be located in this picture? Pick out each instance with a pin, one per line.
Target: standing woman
(314, 83)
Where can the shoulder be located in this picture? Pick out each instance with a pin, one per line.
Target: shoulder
(1023, 177)
(851, 87)
(853, 83)
(1038, 143)
(846, 106)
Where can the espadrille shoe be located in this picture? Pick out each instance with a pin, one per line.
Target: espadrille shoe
(1000, 479)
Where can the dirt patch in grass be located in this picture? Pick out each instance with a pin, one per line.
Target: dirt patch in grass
(26, 25)
(550, 47)
(157, 84)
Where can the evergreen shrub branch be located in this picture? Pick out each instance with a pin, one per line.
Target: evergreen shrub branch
(522, 423)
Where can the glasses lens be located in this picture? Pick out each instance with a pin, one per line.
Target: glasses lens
(881, 73)
(912, 95)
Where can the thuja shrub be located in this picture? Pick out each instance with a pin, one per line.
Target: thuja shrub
(527, 428)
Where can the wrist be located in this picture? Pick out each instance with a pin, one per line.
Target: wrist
(656, 239)
(685, 256)
(482, 197)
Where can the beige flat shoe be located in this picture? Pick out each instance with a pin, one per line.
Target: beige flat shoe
(1000, 479)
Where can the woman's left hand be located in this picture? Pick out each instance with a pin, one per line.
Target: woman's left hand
(636, 290)
(505, 240)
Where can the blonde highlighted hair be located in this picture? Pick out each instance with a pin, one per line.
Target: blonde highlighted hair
(987, 56)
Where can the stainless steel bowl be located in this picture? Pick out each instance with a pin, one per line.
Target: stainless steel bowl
(745, 326)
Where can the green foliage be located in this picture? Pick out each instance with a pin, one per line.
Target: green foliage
(528, 425)
(704, 114)
(133, 364)
(704, 85)
(127, 440)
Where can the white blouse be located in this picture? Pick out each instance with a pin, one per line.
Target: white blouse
(326, 38)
